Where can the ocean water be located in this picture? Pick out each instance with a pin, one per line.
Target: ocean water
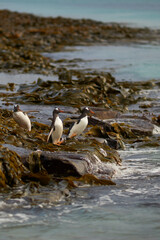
(137, 13)
(131, 63)
(129, 210)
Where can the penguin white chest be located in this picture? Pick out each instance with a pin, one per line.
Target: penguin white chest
(79, 127)
(23, 120)
(58, 130)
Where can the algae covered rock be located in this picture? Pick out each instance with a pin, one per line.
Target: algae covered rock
(60, 164)
(11, 168)
(74, 160)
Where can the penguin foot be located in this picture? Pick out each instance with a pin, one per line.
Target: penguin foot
(59, 143)
(73, 135)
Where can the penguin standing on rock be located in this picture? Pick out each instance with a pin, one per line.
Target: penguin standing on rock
(21, 118)
(80, 125)
(56, 128)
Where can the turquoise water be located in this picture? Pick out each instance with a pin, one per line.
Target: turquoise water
(131, 63)
(137, 12)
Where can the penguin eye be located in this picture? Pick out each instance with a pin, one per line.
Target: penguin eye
(87, 108)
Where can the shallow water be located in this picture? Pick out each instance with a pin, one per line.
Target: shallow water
(128, 210)
(23, 78)
(131, 63)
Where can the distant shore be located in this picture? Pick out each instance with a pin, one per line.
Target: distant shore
(23, 37)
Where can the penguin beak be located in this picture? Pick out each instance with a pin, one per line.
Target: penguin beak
(66, 111)
(91, 111)
(61, 111)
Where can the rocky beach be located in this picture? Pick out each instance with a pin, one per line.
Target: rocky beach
(27, 161)
(24, 38)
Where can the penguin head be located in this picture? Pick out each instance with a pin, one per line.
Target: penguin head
(56, 111)
(16, 108)
(86, 110)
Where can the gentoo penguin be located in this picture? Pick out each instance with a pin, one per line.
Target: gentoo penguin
(79, 126)
(56, 128)
(21, 118)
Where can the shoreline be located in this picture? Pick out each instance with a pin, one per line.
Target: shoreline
(24, 37)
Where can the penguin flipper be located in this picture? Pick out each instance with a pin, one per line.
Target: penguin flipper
(70, 129)
(49, 136)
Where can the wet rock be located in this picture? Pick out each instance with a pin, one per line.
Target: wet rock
(60, 164)
(99, 122)
(90, 179)
(70, 162)
(127, 126)
(134, 127)
(99, 91)
(11, 168)
(102, 134)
